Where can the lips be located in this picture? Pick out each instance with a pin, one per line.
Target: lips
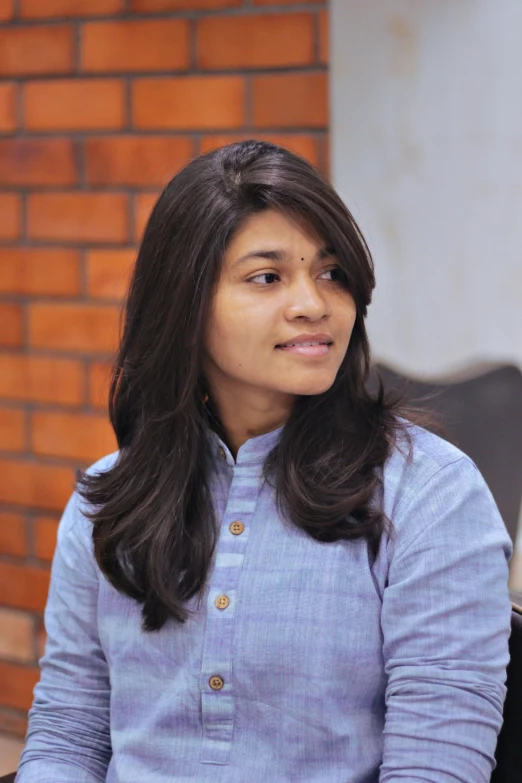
(311, 346)
(306, 349)
(307, 340)
(291, 345)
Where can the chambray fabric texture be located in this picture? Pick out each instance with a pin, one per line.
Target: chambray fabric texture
(335, 671)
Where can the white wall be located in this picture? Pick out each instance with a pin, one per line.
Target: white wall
(426, 102)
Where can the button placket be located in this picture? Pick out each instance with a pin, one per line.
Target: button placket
(216, 682)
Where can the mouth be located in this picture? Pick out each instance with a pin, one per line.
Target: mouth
(312, 348)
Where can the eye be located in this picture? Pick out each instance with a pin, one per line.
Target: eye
(267, 278)
(337, 274)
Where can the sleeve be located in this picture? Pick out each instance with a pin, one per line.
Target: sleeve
(68, 736)
(446, 625)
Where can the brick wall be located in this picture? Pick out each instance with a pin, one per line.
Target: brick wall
(100, 102)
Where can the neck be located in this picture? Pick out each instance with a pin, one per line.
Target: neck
(239, 416)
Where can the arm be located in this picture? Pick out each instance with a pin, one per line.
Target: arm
(446, 624)
(68, 738)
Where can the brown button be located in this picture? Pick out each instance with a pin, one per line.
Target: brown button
(222, 601)
(216, 683)
(222, 453)
(237, 528)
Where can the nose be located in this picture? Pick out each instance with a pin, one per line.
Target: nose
(305, 300)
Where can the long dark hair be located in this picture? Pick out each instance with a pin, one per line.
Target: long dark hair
(154, 532)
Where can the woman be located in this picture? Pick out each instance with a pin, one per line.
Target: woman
(276, 578)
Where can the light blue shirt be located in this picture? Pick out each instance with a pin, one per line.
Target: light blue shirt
(334, 671)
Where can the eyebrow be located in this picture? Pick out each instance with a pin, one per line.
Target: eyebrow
(279, 255)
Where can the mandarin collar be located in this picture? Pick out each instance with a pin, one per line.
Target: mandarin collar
(253, 452)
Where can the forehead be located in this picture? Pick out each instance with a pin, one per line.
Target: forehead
(272, 229)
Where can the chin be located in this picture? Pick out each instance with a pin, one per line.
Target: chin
(311, 388)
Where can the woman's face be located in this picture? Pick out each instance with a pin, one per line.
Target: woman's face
(278, 290)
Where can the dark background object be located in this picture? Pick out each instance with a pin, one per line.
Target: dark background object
(481, 410)
(509, 745)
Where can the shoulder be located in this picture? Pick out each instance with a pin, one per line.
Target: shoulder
(427, 480)
(102, 465)
(75, 528)
(418, 455)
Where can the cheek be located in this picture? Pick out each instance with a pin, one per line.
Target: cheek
(231, 332)
(347, 315)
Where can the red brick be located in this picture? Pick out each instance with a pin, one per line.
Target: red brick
(283, 2)
(40, 9)
(39, 271)
(10, 215)
(290, 100)
(78, 217)
(41, 379)
(8, 121)
(150, 6)
(206, 102)
(45, 531)
(31, 50)
(300, 144)
(17, 685)
(12, 534)
(74, 104)
(23, 587)
(88, 328)
(12, 429)
(16, 636)
(34, 485)
(71, 435)
(324, 40)
(37, 162)
(143, 205)
(264, 41)
(138, 45)
(11, 324)
(13, 722)
(108, 272)
(6, 10)
(324, 148)
(99, 383)
(136, 160)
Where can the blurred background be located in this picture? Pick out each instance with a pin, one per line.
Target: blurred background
(101, 101)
